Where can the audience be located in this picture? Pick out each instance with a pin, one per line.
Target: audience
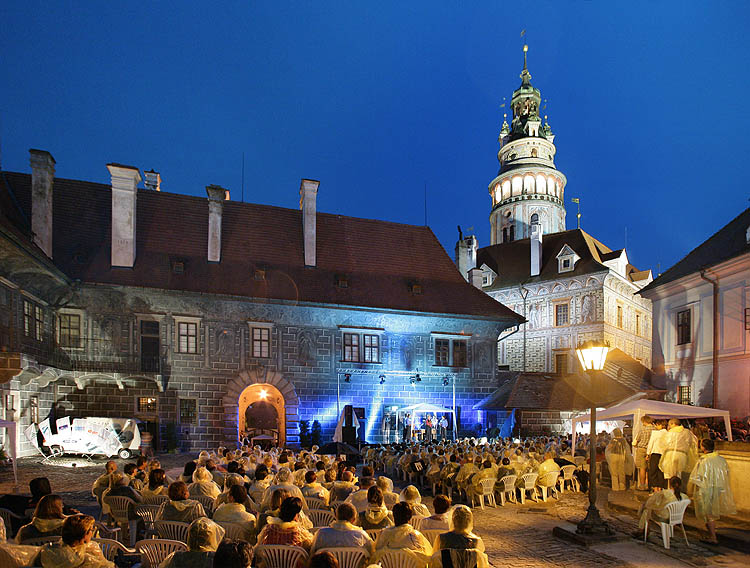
(156, 484)
(376, 515)
(286, 528)
(203, 539)
(234, 511)
(343, 532)
(441, 519)
(180, 507)
(403, 536)
(233, 554)
(75, 549)
(203, 484)
(460, 544)
(47, 520)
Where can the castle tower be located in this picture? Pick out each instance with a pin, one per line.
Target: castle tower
(528, 189)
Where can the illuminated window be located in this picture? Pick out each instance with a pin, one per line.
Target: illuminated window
(70, 330)
(147, 405)
(684, 394)
(562, 315)
(351, 347)
(451, 352)
(261, 342)
(39, 322)
(619, 317)
(637, 324)
(459, 353)
(187, 337)
(561, 363)
(683, 327)
(442, 352)
(372, 348)
(188, 411)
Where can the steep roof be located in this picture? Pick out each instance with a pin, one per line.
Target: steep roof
(512, 261)
(379, 259)
(726, 243)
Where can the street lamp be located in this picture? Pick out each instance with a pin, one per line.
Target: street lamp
(592, 355)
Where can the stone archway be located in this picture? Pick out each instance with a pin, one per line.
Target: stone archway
(261, 411)
(274, 382)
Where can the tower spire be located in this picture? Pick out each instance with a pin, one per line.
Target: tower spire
(525, 75)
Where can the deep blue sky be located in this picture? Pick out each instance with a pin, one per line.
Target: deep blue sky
(377, 99)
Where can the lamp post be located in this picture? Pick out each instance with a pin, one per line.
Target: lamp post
(592, 355)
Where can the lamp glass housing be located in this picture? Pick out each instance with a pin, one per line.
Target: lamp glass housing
(592, 355)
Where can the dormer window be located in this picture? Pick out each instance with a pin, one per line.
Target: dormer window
(566, 259)
(488, 275)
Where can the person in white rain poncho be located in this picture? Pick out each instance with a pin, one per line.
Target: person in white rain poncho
(403, 537)
(204, 537)
(619, 460)
(410, 494)
(680, 450)
(203, 484)
(654, 507)
(75, 550)
(712, 494)
(459, 547)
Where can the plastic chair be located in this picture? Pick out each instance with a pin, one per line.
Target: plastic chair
(280, 556)
(172, 530)
(676, 511)
(416, 522)
(398, 559)
(207, 502)
(8, 516)
(567, 477)
(348, 557)
(110, 548)
(529, 485)
(548, 482)
(579, 461)
(507, 489)
(315, 503)
(373, 533)
(118, 510)
(153, 551)
(488, 492)
(335, 505)
(155, 499)
(148, 514)
(321, 517)
(41, 541)
(432, 534)
(235, 531)
(112, 533)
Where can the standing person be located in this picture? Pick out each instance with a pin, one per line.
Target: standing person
(712, 494)
(616, 454)
(654, 451)
(640, 447)
(146, 447)
(428, 428)
(680, 451)
(407, 428)
(443, 428)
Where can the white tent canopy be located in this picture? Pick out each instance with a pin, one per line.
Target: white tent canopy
(635, 409)
(13, 435)
(426, 408)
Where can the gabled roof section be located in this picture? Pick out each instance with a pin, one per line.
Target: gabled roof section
(381, 259)
(566, 251)
(512, 261)
(728, 242)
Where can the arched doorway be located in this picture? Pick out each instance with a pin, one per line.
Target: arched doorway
(262, 412)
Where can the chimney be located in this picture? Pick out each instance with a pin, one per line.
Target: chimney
(152, 180)
(42, 177)
(466, 255)
(475, 277)
(125, 181)
(536, 249)
(216, 197)
(308, 194)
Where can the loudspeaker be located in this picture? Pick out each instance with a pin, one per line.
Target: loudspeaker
(349, 435)
(359, 412)
(348, 415)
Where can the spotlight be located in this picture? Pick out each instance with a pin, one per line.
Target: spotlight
(411, 380)
(347, 378)
(445, 381)
(382, 379)
(418, 378)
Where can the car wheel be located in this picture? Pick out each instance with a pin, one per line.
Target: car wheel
(124, 453)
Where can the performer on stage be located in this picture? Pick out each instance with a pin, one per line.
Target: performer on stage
(407, 428)
(443, 428)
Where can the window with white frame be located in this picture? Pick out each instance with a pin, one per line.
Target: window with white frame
(684, 394)
(451, 352)
(351, 347)
(562, 314)
(683, 327)
(187, 337)
(372, 348)
(566, 259)
(261, 338)
(69, 330)
(361, 346)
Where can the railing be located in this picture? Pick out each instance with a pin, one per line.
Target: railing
(97, 355)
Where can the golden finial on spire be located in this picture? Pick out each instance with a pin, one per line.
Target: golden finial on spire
(525, 51)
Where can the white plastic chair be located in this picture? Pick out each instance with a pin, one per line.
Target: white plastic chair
(207, 502)
(567, 477)
(118, 509)
(153, 551)
(315, 503)
(547, 483)
(676, 511)
(236, 531)
(508, 489)
(41, 540)
(373, 533)
(398, 559)
(155, 499)
(321, 517)
(488, 492)
(110, 548)
(416, 522)
(529, 485)
(148, 514)
(432, 534)
(172, 530)
(348, 557)
(8, 516)
(280, 556)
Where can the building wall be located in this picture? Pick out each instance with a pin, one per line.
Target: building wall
(305, 362)
(538, 422)
(690, 365)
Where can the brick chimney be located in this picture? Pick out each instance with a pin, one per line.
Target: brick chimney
(152, 180)
(308, 195)
(42, 178)
(125, 181)
(466, 255)
(475, 277)
(535, 239)
(216, 197)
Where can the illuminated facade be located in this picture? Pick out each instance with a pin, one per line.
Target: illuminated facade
(191, 314)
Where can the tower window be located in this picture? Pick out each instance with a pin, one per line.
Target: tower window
(512, 233)
(534, 153)
(505, 234)
(535, 219)
(683, 327)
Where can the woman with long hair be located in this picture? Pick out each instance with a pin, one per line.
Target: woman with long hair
(47, 520)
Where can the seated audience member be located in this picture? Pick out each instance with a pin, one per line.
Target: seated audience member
(343, 533)
(156, 484)
(233, 511)
(441, 519)
(231, 480)
(410, 494)
(134, 477)
(259, 486)
(203, 484)
(187, 473)
(375, 516)
(385, 484)
(548, 465)
(47, 520)
(505, 469)
(233, 554)
(102, 482)
(313, 488)
(286, 528)
(654, 507)
(180, 507)
(323, 559)
(75, 550)
(340, 490)
(39, 487)
(475, 488)
(119, 488)
(283, 481)
(451, 547)
(216, 473)
(359, 498)
(403, 536)
(203, 539)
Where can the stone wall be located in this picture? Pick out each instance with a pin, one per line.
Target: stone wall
(543, 422)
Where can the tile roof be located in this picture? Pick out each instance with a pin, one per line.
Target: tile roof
(380, 259)
(512, 261)
(726, 243)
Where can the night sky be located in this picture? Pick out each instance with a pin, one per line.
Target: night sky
(379, 99)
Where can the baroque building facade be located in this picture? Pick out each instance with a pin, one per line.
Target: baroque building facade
(189, 314)
(569, 286)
